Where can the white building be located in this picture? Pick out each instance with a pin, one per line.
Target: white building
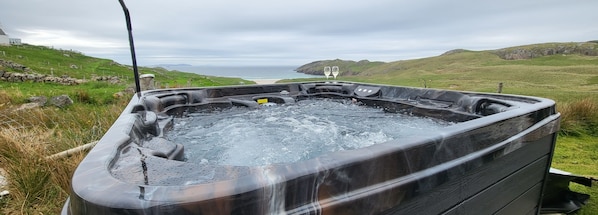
(4, 40)
(14, 41)
(7, 41)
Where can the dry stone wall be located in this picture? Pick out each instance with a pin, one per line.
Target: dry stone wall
(30, 75)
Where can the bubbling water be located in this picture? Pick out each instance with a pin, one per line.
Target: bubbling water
(289, 133)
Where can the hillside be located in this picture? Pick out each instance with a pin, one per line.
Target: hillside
(546, 49)
(349, 68)
(560, 71)
(39, 70)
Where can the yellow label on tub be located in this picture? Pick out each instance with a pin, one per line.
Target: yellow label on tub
(262, 101)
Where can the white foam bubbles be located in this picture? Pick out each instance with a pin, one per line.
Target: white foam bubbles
(289, 133)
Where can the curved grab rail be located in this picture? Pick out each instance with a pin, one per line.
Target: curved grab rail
(132, 46)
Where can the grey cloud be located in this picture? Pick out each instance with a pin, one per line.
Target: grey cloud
(297, 32)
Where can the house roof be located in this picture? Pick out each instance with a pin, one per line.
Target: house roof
(2, 32)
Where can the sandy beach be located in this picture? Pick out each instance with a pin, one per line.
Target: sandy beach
(265, 81)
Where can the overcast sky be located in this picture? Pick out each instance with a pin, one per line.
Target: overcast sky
(277, 32)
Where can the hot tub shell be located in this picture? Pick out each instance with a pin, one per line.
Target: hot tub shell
(494, 159)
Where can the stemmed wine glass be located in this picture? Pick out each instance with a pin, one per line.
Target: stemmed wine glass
(327, 71)
(335, 71)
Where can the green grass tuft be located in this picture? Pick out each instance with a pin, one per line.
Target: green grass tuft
(579, 117)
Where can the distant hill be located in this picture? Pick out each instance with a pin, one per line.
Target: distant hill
(349, 68)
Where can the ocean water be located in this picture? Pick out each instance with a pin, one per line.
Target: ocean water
(245, 72)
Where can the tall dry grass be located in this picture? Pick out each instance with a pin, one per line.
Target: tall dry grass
(579, 117)
(38, 185)
(32, 179)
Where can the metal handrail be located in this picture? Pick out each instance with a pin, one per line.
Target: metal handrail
(132, 46)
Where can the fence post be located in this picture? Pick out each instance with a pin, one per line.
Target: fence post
(147, 82)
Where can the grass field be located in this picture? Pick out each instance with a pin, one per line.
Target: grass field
(40, 186)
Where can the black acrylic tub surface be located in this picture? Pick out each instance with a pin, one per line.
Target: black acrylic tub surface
(494, 158)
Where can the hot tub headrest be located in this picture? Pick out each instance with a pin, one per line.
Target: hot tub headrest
(328, 88)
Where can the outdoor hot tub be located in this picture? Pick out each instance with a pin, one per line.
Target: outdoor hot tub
(490, 153)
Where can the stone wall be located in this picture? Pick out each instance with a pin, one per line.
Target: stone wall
(30, 75)
(34, 77)
(13, 65)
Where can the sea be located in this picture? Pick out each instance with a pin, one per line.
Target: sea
(244, 72)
